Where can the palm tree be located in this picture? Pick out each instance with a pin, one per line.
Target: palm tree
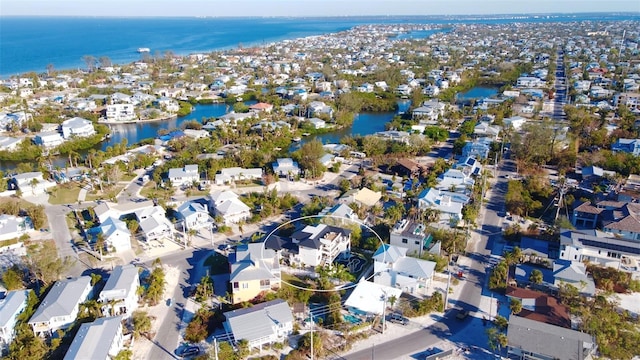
(191, 233)
(34, 182)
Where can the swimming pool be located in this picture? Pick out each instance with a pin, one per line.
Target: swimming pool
(352, 319)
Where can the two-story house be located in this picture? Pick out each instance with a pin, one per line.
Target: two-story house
(154, 224)
(60, 307)
(120, 294)
(260, 324)
(229, 207)
(254, 269)
(78, 127)
(101, 339)
(392, 267)
(194, 215)
(121, 112)
(185, 176)
(116, 234)
(10, 307)
(412, 236)
(313, 246)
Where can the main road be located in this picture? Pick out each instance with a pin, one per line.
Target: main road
(479, 250)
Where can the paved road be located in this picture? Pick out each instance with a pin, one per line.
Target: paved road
(189, 263)
(470, 295)
(561, 86)
(56, 215)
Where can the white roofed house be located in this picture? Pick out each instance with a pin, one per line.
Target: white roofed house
(154, 224)
(121, 112)
(412, 236)
(227, 205)
(260, 324)
(8, 143)
(286, 167)
(48, 139)
(10, 307)
(31, 183)
(60, 307)
(116, 234)
(184, 176)
(392, 267)
(194, 215)
(254, 270)
(11, 227)
(234, 174)
(370, 298)
(119, 295)
(101, 339)
(77, 127)
(448, 204)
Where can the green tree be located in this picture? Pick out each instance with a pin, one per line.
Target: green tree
(12, 278)
(197, 329)
(26, 345)
(536, 276)
(308, 156)
(141, 323)
(44, 263)
(515, 306)
(124, 354)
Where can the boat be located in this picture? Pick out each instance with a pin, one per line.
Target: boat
(143, 50)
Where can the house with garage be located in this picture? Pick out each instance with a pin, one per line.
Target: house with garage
(255, 269)
(286, 167)
(120, 294)
(60, 307)
(31, 183)
(101, 339)
(392, 267)
(261, 324)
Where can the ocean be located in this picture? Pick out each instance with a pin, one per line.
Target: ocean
(32, 43)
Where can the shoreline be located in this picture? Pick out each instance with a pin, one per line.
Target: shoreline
(137, 121)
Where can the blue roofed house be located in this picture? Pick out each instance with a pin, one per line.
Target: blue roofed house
(478, 149)
(562, 272)
(630, 146)
(447, 203)
(261, 324)
(101, 339)
(468, 165)
(10, 307)
(60, 307)
(392, 267)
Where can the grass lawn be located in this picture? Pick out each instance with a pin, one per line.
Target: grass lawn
(64, 194)
(104, 195)
(219, 264)
(149, 191)
(293, 280)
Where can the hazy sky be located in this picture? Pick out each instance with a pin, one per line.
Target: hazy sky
(306, 7)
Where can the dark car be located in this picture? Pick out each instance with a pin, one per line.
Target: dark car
(398, 319)
(462, 314)
(190, 351)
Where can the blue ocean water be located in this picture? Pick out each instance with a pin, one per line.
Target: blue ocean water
(31, 43)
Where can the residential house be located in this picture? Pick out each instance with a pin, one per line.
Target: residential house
(10, 307)
(12, 227)
(48, 140)
(531, 339)
(562, 272)
(101, 339)
(341, 212)
(599, 248)
(448, 204)
(254, 269)
(487, 130)
(430, 110)
(411, 236)
(515, 122)
(261, 324)
(120, 294)
(630, 146)
(540, 306)
(313, 246)
(455, 180)
(154, 224)
(529, 81)
(318, 108)
(120, 113)
(478, 149)
(185, 176)
(317, 123)
(31, 183)
(194, 215)
(8, 143)
(392, 267)
(60, 307)
(369, 298)
(231, 175)
(629, 99)
(468, 165)
(406, 167)
(116, 234)
(77, 127)
(286, 167)
(363, 197)
(227, 205)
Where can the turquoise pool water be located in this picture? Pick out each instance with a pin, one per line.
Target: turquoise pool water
(352, 319)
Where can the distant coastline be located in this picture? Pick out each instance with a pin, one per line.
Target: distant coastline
(31, 43)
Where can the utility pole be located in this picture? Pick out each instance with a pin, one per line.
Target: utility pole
(562, 189)
(215, 347)
(384, 307)
(311, 322)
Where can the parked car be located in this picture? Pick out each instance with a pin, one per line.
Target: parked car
(462, 314)
(398, 319)
(190, 351)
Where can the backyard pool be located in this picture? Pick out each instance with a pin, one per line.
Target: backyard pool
(352, 319)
